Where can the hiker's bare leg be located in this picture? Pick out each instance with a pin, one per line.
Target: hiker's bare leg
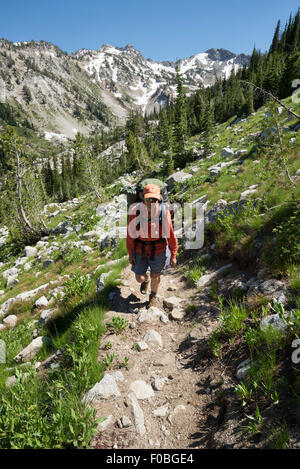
(155, 281)
(140, 278)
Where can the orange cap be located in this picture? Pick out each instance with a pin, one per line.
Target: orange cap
(152, 191)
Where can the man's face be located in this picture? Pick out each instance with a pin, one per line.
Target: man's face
(149, 201)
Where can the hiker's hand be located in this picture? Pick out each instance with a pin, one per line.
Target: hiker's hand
(173, 262)
(132, 260)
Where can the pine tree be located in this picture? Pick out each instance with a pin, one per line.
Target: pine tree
(208, 124)
(275, 42)
(180, 124)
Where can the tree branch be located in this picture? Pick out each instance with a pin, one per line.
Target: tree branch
(267, 93)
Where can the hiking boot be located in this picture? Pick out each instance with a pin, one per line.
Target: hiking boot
(153, 300)
(145, 285)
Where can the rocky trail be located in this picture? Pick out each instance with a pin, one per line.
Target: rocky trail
(165, 399)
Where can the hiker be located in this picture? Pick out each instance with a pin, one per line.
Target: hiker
(147, 240)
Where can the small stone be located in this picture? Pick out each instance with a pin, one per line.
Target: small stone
(107, 388)
(161, 411)
(42, 301)
(158, 384)
(177, 409)
(30, 251)
(153, 337)
(103, 425)
(126, 422)
(177, 314)
(172, 302)
(10, 321)
(141, 389)
(10, 381)
(137, 414)
(141, 345)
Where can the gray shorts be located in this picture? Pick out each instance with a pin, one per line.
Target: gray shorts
(156, 265)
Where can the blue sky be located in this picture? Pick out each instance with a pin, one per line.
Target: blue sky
(160, 29)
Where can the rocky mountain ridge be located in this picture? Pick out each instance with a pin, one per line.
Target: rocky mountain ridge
(87, 91)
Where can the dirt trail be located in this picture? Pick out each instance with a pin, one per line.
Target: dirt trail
(186, 386)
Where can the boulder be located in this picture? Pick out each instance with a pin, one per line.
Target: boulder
(151, 315)
(137, 414)
(208, 278)
(141, 389)
(10, 321)
(107, 388)
(227, 151)
(172, 302)
(153, 337)
(10, 272)
(180, 177)
(31, 350)
(42, 301)
(30, 251)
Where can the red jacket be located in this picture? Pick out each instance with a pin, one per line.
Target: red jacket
(150, 230)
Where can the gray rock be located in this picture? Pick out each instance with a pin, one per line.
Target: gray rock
(171, 418)
(179, 177)
(10, 321)
(105, 424)
(12, 281)
(31, 350)
(47, 263)
(274, 321)
(141, 389)
(125, 421)
(177, 314)
(172, 302)
(107, 388)
(161, 411)
(151, 315)
(141, 345)
(27, 266)
(101, 281)
(46, 316)
(153, 337)
(42, 301)
(158, 383)
(30, 251)
(137, 414)
(10, 272)
(246, 193)
(208, 278)
(11, 381)
(227, 151)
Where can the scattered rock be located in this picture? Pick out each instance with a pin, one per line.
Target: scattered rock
(177, 314)
(151, 315)
(10, 321)
(172, 302)
(41, 302)
(141, 389)
(208, 278)
(161, 411)
(105, 424)
(158, 383)
(171, 418)
(31, 350)
(46, 316)
(153, 337)
(141, 345)
(137, 414)
(107, 388)
(30, 251)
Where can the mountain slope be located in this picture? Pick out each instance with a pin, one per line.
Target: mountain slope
(60, 94)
